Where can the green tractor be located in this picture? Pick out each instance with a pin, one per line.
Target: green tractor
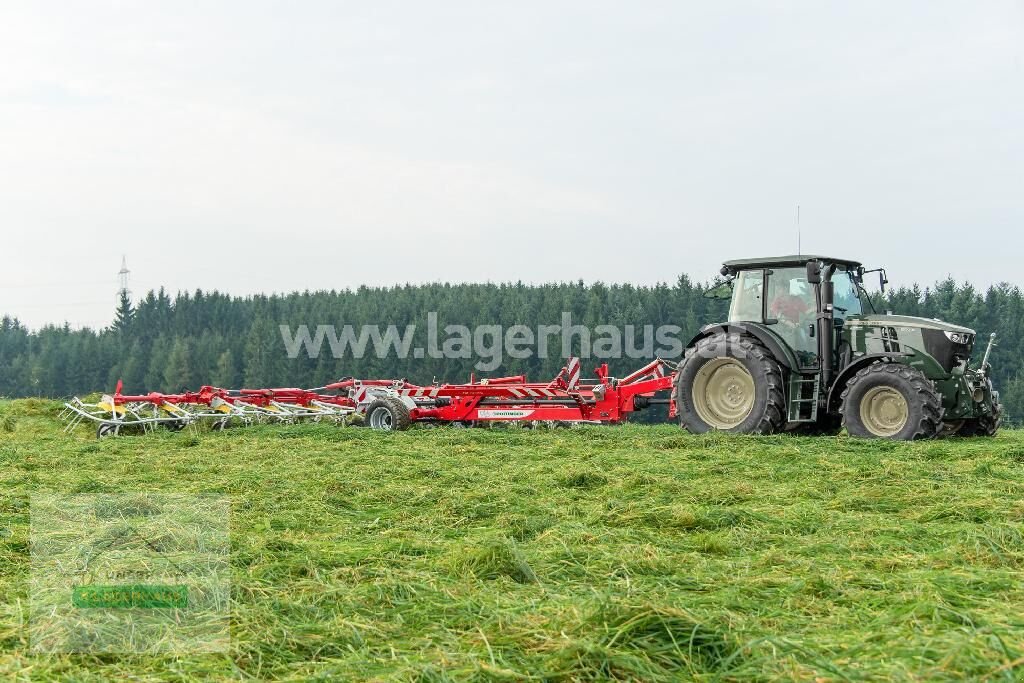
(800, 353)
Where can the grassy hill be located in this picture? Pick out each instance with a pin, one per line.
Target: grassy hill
(586, 554)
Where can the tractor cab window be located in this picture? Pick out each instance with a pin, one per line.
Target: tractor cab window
(748, 297)
(792, 304)
(790, 296)
(845, 295)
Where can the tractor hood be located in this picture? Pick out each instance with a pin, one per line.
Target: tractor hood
(949, 345)
(906, 321)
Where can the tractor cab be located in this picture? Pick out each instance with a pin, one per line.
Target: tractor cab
(779, 293)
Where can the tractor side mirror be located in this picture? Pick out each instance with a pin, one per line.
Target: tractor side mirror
(723, 290)
(883, 280)
(814, 272)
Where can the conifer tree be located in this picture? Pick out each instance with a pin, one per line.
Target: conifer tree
(226, 374)
(124, 315)
(178, 372)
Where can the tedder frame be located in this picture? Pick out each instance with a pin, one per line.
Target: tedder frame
(392, 404)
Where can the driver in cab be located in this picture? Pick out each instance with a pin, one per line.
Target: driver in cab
(792, 304)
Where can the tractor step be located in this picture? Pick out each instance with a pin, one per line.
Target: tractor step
(804, 391)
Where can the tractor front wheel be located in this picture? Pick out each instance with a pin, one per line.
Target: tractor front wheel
(891, 401)
(730, 382)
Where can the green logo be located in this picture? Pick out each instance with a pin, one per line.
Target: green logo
(131, 595)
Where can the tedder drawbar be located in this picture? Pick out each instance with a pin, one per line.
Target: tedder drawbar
(802, 350)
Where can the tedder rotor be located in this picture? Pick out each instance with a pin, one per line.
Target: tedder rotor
(219, 407)
(391, 404)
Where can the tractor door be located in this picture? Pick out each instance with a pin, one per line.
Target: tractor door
(791, 308)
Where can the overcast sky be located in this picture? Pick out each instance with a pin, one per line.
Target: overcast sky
(257, 146)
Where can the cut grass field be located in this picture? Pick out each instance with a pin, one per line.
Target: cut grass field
(627, 553)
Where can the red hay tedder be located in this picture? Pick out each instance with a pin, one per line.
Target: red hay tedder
(388, 404)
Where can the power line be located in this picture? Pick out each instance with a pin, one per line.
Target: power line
(122, 276)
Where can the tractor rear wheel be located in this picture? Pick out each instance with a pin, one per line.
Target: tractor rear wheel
(388, 414)
(730, 382)
(891, 401)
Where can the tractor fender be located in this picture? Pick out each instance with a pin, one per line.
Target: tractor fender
(783, 354)
(852, 369)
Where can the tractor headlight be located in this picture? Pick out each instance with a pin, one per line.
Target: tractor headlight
(958, 337)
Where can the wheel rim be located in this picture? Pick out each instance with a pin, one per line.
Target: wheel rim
(723, 393)
(884, 411)
(381, 419)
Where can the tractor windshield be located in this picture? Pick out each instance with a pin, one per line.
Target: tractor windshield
(845, 295)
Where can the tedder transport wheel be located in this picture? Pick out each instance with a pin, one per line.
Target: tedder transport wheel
(891, 401)
(388, 414)
(106, 429)
(730, 382)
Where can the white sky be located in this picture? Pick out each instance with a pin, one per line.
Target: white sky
(262, 146)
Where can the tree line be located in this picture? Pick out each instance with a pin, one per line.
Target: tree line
(165, 343)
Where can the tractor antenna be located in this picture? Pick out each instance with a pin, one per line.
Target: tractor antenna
(122, 277)
(799, 246)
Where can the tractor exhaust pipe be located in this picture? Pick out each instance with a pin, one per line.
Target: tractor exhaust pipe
(824, 292)
(827, 325)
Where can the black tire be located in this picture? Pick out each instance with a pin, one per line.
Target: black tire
(106, 429)
(979, 426)
(920, 400)
(174, 425)
(986, 425)
(767, 412)
(219, 425)
(388, 414)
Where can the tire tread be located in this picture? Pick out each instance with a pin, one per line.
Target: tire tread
(773, 417)
(930, 423)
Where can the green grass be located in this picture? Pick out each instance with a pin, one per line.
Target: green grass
(628, 553)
